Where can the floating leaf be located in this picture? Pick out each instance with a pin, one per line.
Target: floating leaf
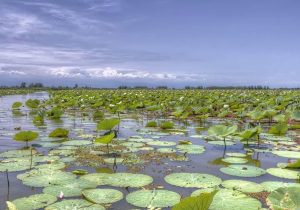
(284, 199)
(243, 186)
(74, 204)
(36, 201)
(284, 173)
(243, 171)
(102, 196)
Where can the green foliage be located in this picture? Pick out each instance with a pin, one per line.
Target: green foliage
(16, 105)
(108, 124)
(166, 125)
(296, 115)
(295, 164)
(32, 103)
(26, 136)
(105, 139)
(151, 124)
(279, 129)
(222, 130)
(59, 132)
(55, 113)
(98, 115)
(38, 120)
(201, 202)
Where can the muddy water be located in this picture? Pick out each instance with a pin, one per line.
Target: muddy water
(208, 162)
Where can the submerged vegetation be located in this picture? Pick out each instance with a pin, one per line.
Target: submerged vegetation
(155, 149)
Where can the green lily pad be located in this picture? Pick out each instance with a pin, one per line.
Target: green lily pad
(243, 186)
(243, 171)
(14, 165)
(161, 143)
(102, 196)
(46, 178)
(284, 173)
(284, 198)
(133, 144)
(236, 160)
(51, 166)
(193, 180)
(191, 148)
(228, 143)
(98, 178)
(235, 154)
(70, 188)
(273, 185)
(232, 199)
(36, 201)
(77, 143)
(166, 150)
(17, 153)
(153, 198)
(129, 180)
(287, 154)
(204, 190)
(78, 204)
(113, 160)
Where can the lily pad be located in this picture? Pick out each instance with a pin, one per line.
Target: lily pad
(287, 154)
(243, 171)
(161, 143)
(284, 173)
(77, 143)
(274, 185)
(70, 188)
(129, 180)
(14, 165)
(243, 186)
(193, 180)
(79, 204)
(235, 154)
(236, 160)
(36, 201)
(102, 196)
(98, 178)
(191, 148)
(17, 153)
(232, 199)
(284, 198)
(153, 198)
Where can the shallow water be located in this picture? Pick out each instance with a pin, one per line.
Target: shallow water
(203, 163)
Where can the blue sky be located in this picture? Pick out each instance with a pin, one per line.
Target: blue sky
(107, 43)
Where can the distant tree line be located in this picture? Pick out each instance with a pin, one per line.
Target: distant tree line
(39, 85)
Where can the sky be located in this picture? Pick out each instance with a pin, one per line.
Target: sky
(108, 43)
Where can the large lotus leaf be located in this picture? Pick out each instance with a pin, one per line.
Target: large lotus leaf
(228, 143)
(129, 180)
(70, 188)
(77, 143)
(273, 185)
(284, 173)
(98, 178)
(166, 150)
(295, 164)
(133, 144)
(105, 139)
(221, 130)
(235, 160)
(296, 115)
(279, 129)
(233, 200)
(200, 202)
(287, 154)
(108, 124)
(204, 190)
(41, 158)
(75, 204)
(51, 166)
(36, 201)
(153, 198)
(193, 180)
(235, 154)
(243, 171)
(191, 149)
(284, 199)
(14, 165)
(161, 143)
(26, 136)
(44, 178)
(65, 152)
(17, 153)
(243, 186)
(102, 196)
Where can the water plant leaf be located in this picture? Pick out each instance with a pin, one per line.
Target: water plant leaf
(284, 199)
(98, 178)
(201, 202)
(108, 124)
(222, 130)
(129, 180)
(105, 139)
(59, 132)
(11, 206)
(279, 129)
(270, 186)
(33, 202)
(26, 136)
(243, 186)
(153, 198)
(243, 170)
(70, 188)
(193, 180)
(102, 196)
(287, 154)
(284, 173)
(235, 160)
(73, 204)
(191, 148)
(226, 199)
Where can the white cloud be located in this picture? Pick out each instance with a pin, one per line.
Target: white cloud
(12, 72)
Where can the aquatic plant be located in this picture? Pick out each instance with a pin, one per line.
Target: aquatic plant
(16, 105)
(55, 113)
(279, 129)
(26, 136)
(222, 131)
(106, 139)
(108, 124)
(166, 125)
(32, 103)
(151, 124)
(59, 132)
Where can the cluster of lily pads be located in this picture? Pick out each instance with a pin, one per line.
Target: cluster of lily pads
(262, 121)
